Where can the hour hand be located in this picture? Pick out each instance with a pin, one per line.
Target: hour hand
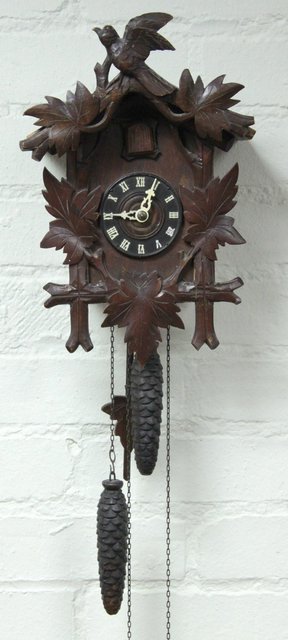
(125, 215)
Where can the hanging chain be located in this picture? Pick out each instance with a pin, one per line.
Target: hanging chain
(112, 454)
(129, 577)
(128, 454)
(168, 500)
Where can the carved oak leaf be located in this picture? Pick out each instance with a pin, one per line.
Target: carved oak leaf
(209, 107)
(64, 119)
(205, 209)
(76, 215)
(142, 305)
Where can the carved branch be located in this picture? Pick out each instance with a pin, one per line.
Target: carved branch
(97, 260)
(204, 325)
(204, 295)
(102, 72)
(79, 327)
(207, 110)
(172, 116)
(78, 294)
(102, 124)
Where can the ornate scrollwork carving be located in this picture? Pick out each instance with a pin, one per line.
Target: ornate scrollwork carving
(206, 110)
(200, 118)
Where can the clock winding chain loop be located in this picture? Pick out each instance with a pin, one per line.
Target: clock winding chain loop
(128, 499)
(129, 578)
(168, 497)
(112, 454)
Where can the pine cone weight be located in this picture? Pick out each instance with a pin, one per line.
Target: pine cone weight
(146, 406)
(112, 521)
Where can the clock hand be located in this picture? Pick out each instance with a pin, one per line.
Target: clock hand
(140, 215)
(150, 193)
(131, 215)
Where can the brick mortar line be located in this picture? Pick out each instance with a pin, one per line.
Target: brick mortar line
(254, 587)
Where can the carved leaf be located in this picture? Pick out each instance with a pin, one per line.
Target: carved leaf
(209, 107)
(76, 215)
(65, 118)
(142, 305)
(205, 210)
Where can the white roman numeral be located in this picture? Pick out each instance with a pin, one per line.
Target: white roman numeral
(155, 184)
(169, 198)
(141, 249)
(170, 232)
(173, 214)
(158, 244)
(114, 198)
(112, 233)
(140, 181)
(125, 244)
(124, 186)
(108, 216)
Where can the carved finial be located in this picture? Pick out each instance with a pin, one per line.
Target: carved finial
(128, 54)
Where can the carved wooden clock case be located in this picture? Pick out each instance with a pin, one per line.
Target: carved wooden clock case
(139, 218)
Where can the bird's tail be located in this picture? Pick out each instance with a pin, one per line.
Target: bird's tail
(153, 82)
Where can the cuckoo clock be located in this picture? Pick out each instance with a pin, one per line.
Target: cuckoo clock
(139, 217)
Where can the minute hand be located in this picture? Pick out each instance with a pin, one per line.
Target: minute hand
(147, 201)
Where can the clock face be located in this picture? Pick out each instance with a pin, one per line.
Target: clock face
(141, 215)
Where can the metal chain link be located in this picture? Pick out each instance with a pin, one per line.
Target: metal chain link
(129, 547)
(168, 497)
(129, 575)
(112, 454)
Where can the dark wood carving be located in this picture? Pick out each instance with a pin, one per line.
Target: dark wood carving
(125, 244)
(128, 54)
(146, 407)
(142, 305)
(112, 526)
(140, 123)
(118, 412)
(140, 140)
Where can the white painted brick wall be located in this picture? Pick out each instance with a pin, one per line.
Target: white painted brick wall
(230, 447)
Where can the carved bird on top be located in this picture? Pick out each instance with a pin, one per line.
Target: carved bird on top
(128, 54)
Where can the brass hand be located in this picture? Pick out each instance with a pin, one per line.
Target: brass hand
(131, 215)
(147, 201)
(140, 215)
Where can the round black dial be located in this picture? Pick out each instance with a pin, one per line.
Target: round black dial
(141, 215)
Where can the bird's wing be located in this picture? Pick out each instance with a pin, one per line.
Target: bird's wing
(153, 21)
(139, 42)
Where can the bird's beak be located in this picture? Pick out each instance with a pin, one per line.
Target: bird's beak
(98, 31)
